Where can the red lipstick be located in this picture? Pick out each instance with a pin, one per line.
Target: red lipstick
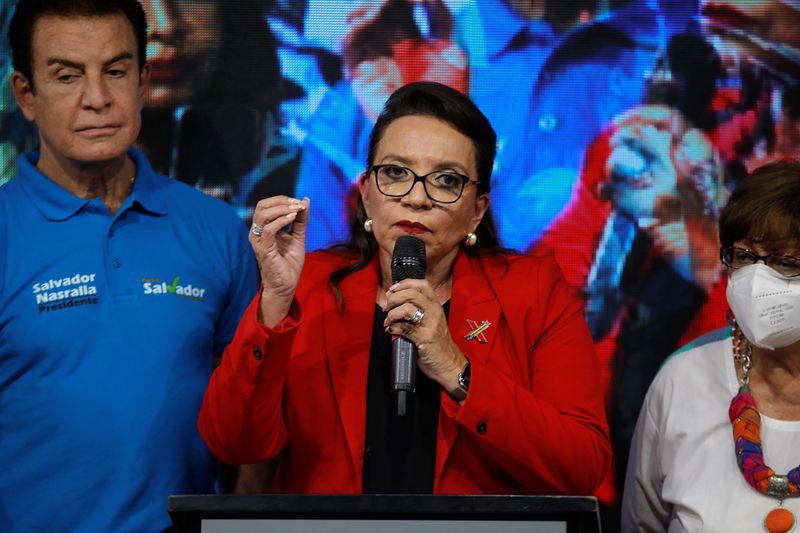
(414, 228)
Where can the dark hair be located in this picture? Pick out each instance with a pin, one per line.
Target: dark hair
(431, 99)
(395, 22)
(692, 67)
(764, 207)
(20, 32)
(439, 101)
(248, 72)
(565, 14)
(790, 102)
(231, 117)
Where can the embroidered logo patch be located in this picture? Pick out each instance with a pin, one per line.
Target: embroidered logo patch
(63, 293)
(159, 286)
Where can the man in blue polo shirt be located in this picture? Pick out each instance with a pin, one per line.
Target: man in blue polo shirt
(117, 288)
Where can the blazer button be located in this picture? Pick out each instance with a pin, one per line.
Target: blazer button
(257, 354)
(481, 428)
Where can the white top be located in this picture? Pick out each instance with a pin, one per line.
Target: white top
(682, 474)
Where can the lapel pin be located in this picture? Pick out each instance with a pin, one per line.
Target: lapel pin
(476, 331)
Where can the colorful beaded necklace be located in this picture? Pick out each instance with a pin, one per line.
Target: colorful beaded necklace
(746, 421)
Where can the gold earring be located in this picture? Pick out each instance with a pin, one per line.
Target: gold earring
(368, 225)
(470, 239)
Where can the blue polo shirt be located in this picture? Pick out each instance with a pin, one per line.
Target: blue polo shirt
(108, 330)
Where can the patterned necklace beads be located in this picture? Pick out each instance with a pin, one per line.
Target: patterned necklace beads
(746, 422)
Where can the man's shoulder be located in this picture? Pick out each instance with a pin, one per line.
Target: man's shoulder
(177, 195)
(10, 189)
(8, 193)
(182, 198)
(11, 194)
(186, 192)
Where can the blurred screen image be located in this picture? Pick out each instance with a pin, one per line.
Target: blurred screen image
(622, 126)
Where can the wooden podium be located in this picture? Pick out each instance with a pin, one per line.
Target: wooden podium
(266, 513)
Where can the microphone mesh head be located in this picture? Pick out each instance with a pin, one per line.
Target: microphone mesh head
(408, 259)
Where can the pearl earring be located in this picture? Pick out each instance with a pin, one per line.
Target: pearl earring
(470, 239)
(368, 225)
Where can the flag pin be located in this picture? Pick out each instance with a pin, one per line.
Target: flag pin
(476, 330)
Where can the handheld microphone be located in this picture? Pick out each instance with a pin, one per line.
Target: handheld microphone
(408, 261)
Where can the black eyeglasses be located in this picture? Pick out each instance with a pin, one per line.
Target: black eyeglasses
(785, 265)
(442, 186)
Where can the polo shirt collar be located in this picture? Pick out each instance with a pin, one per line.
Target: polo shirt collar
(56, 203)
(148, 188)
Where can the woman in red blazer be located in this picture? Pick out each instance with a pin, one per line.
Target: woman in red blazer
(508, 399)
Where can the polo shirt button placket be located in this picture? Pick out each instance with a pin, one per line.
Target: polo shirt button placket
(257, 354)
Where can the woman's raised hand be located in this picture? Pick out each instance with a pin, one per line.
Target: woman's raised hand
(280, 252)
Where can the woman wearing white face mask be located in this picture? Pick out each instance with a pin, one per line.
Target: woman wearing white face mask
(717, 444)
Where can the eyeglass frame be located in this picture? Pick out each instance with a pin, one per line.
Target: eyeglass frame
(464, 180)
(757, 258)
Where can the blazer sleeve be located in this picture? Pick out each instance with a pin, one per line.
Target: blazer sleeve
(241, 417)
(548, 430)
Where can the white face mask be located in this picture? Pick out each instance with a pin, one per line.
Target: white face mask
(766, 305)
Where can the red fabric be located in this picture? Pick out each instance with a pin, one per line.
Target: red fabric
(572, 240)
(728, 136)
(574, 235)
(534, 386)
(434, 60)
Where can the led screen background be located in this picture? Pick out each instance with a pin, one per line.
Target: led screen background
(622, 126)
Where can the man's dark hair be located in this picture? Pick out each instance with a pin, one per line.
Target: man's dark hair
(764, 208)
(20, 32)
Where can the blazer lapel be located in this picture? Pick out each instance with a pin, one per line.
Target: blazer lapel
(472, 304)
(348, 339)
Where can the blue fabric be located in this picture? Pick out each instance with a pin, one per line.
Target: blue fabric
(502, 87)
(596, 72)
(108, 330)
(501, 78)
(334, 154)
(547, 95)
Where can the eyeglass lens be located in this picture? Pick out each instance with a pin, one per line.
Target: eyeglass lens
(440, 186)
(735, 257)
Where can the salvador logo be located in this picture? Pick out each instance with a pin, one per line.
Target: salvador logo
(159, 286)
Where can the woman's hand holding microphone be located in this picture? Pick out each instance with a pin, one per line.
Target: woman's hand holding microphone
(439, 357)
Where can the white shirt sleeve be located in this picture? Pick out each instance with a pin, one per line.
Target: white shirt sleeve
(643, 509)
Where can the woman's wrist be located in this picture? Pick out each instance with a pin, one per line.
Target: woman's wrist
(273, 309)
(450, 378)
(459, 393)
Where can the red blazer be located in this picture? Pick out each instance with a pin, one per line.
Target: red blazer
(533, 421)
